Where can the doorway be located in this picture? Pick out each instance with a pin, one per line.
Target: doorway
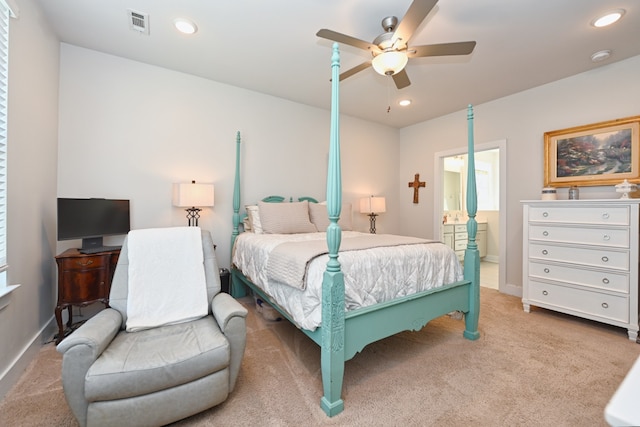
(450, 198)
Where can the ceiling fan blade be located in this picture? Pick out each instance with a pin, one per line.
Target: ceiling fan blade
(460, 48)
(355, 70)
(401, 79)
(343, 38)
(418, 10)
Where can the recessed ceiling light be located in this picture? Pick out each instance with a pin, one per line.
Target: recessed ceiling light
(608, 18)
(404, 102)
(185, 25)
(600, 55)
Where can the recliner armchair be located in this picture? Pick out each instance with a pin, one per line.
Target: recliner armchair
(155, 376)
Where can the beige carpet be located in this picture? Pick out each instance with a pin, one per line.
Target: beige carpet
(536, 369)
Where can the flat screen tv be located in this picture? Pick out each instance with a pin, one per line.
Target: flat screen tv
(91, 220)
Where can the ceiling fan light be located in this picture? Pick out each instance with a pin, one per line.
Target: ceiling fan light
(390, 62)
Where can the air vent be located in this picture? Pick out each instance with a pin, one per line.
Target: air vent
(138, 21)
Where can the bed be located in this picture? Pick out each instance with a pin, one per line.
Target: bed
(343, 329)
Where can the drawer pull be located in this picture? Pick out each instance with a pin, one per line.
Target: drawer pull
(605, 259)
(545, 233)
(605, 281)
(605, 305)
(545, 293)
(606, 238)
(545, 214)
(84, 264)
(546, 270)
(545, 252)
(605, 215)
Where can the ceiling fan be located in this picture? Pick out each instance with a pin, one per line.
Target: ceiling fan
(390, 49)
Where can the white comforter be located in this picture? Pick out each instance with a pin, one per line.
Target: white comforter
(371, 275)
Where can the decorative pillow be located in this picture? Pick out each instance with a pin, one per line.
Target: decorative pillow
(253, 213)
(285, 218)
(246, 224)
(319, 216)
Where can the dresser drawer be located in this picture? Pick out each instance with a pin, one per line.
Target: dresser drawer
(614, 237)
(607, 280)
(579, 300)
(618, 260)
(460, 245)
(613, 215)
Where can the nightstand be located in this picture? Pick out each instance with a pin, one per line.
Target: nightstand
(82, 280)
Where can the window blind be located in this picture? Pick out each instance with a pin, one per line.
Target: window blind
(5, 13)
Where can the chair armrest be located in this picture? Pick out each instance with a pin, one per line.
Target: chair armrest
(79, 351)
(96, 333)
(224, 308)
(231, 317)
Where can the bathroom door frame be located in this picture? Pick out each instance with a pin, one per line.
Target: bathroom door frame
(438, 203)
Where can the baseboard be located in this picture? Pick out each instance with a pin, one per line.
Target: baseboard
(491, 258)
(511, 289)
(11, 376)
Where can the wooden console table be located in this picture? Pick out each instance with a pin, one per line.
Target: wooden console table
(82, 280)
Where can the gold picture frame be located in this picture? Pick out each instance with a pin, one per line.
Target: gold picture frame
(604, 153)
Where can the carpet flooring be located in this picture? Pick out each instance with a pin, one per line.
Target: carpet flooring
(527, 369)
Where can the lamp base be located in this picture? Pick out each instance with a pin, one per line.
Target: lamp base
(372, 223)
(192, 216)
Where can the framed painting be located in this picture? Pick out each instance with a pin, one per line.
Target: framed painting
(604, 153)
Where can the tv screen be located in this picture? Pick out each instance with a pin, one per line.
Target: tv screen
(91, 219)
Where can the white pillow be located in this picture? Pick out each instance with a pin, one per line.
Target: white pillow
(285, 218)
(320, 217)
(253, 213)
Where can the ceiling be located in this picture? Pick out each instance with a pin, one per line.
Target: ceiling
(271, 46)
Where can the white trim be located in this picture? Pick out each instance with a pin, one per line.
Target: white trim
(14, 10)
(5, 295)
(16, 368)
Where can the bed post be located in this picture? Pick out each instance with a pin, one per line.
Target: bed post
(237, 289)
(471, 254)
(333, 329)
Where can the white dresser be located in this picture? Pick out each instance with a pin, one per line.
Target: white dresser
(580, 257)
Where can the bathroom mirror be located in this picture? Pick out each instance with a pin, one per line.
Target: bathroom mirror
(452, 183)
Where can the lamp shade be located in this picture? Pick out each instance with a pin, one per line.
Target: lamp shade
(372, 204)
(192, 195)
(390, 62)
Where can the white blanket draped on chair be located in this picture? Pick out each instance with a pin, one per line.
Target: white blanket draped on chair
(166, 277)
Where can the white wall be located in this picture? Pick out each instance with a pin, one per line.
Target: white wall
(32, 159)
(129, 130)
(606, 93)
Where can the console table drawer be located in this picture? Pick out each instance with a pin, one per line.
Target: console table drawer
(608, 280)
(612, 237)
(84, 262)
(614, 215)
(583, 256)
(579, 300)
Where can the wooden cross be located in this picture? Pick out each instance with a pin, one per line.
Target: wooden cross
(416, 184)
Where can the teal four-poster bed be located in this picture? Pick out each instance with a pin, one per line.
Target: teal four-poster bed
(343, 333)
